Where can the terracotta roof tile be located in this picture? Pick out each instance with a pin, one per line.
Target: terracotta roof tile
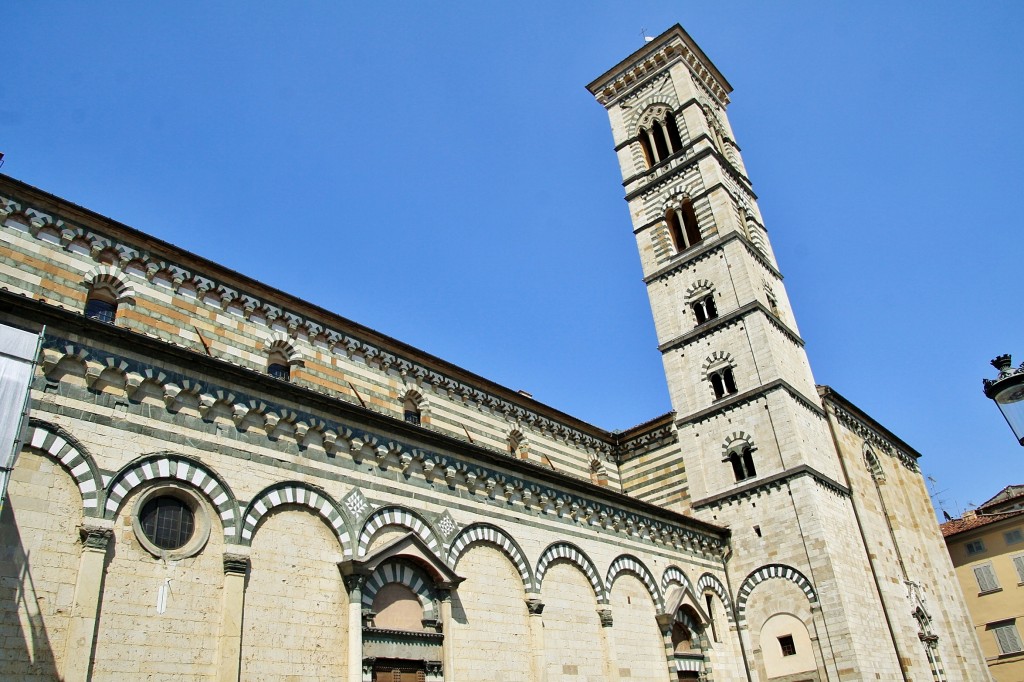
(963, 525)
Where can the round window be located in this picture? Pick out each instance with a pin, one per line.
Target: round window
(167, 522)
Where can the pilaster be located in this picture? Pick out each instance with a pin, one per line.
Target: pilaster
(78, 650)
(538, 662)
(236, 567)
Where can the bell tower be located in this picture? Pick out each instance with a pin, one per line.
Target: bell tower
(756, 452)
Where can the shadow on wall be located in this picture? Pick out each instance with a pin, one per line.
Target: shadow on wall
(458, 610)
(28, 652)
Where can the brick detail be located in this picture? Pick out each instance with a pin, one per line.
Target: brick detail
(396, 516)
(769, 572)
(72, 456)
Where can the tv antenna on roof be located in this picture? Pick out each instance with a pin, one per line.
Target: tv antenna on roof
(643, 34)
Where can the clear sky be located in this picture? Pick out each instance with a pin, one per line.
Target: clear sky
(437, 171)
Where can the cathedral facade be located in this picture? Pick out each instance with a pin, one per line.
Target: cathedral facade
(220, 481)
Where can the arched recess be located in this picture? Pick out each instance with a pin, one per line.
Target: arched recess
(396, 571)
(282, 343)
(492, 535)
(568, 552)
(167, 465)
(397, 516)
(112, 278)
(873, 465)
(769, 572)
(709, 583)
(630, 564)
(302, 495)
(674, 574)
(60, 446)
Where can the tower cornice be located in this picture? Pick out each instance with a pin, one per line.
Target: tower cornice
(653, 58)
(724, 321)
(700, 252)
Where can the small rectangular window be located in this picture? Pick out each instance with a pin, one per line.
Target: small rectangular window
(1014, 536)
(1007, 637)
(974, 547)
(986, 578)
(788, 646)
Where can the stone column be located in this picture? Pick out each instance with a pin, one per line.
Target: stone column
(78, 648)
(236, 565)
(354, 585)
(611, 660)
(449, 635)
(538, 658)
(665, 625)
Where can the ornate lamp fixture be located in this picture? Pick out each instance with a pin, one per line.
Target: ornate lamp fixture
(1007, 390)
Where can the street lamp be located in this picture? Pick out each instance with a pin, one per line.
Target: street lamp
(1007, 390)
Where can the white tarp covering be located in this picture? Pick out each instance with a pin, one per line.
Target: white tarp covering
(17, 356)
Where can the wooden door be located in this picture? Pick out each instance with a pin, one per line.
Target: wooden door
(399, 671)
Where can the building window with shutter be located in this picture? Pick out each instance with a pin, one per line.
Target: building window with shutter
(986, 578)
(1018, 563)
(974, 547)
(1014, 536)
(1007, 637)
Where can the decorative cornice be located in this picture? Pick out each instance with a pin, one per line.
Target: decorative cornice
(303, 329)
(706, 247)
(872, 436)
(680, 162)
(474, 469)
(722, 321)
(749, 396)
(651, 60)
(775, 481)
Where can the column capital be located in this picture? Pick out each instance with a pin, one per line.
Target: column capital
(535, 606)
(606, 617)
(236, 563)
(96, 533)
(354, 582)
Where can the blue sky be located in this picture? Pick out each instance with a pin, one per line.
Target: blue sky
(437, 171)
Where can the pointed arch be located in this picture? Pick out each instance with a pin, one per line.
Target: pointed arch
(63, 448)
(398, 516)
(299, 494)
(627, 563)
(770, 572)
(485, 533)
(568, 552)
(167, 465)
(396, 571)
(709, 583)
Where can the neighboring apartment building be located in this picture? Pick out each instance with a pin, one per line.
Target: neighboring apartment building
(987, 548)
(222, 481)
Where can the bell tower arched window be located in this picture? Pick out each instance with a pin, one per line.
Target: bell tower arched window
(742, 462)
(682, 226)
(722, 382)
(705, 309)
(659, 136)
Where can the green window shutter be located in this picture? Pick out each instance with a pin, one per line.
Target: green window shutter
(986, 578)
